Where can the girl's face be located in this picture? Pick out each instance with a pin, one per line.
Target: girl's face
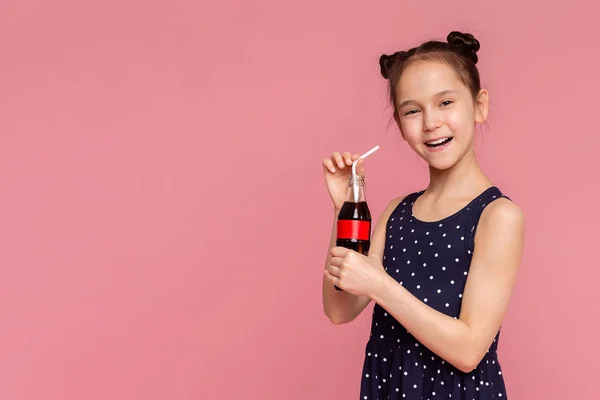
(436, 113)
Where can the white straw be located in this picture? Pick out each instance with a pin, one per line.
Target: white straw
(355, 184)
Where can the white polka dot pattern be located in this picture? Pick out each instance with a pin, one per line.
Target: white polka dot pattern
(431, 260)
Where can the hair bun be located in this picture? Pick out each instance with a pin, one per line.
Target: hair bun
(386, 62)
(465, 43)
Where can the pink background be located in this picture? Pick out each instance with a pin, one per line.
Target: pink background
(164, 219)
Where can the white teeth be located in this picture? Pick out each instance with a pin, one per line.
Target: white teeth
(438, 141)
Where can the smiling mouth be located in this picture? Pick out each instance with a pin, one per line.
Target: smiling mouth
(437, 143)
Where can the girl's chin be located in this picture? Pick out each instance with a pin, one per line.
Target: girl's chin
(441, 162)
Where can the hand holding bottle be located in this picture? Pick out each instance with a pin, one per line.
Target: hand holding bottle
(355, 273)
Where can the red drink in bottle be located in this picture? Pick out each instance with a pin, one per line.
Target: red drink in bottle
(354, 219)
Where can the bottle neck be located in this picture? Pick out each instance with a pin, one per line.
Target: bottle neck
(356, 189)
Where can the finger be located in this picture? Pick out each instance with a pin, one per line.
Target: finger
(327, 163)
(333, 279)
(336, 262)
(335, 271)
(339, 251)
(337, 158)
(355, 156)
(348, 158)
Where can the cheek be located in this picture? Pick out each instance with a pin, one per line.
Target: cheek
(412, 128)
(461, 121)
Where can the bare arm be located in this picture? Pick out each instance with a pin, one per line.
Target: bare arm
(342, 307)
(464, 341)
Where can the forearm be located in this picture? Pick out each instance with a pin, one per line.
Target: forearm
(451, 339)
(339, 306)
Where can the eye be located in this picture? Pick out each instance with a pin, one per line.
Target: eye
(446, 103)
(409, 112)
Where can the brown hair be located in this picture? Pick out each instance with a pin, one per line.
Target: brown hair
(459, 52)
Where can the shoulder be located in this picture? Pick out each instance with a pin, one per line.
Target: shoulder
(394, 204)
(378, 238)
(389, 209)
(503, 210)
(501, 217)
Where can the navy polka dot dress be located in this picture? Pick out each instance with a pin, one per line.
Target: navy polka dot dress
(431, 260)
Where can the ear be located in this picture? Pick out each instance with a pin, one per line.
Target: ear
(397, 119)
(481, 106)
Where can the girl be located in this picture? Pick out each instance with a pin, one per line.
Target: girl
(442, 261)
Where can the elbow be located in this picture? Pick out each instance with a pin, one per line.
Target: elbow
(466, 367)
(468, 362)
(338, 318)
(338, 321)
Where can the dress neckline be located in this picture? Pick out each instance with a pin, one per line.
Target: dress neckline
(449, 217)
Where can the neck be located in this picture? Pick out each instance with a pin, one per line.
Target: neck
(464, 178)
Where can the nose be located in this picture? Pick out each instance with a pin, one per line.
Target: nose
(431, 121)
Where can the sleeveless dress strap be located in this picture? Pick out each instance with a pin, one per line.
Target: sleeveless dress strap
(410, 199)
(479, 204)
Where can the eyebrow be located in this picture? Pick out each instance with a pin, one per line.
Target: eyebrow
(442, 93)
